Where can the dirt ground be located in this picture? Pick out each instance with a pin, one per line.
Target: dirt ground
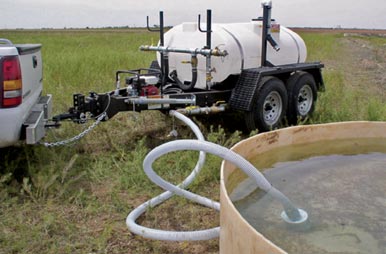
(365, 64)
(372, 32)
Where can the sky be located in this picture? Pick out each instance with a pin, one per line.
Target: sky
(103, 13)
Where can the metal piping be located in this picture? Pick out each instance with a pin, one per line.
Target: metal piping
(207, 52)
(145, 100)
(189, 111)
(197, 51)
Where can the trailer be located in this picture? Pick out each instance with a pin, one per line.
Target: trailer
(256, 69)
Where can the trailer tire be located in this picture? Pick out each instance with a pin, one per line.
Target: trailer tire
(302, 95)
(269, 105)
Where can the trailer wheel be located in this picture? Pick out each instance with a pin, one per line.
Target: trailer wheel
(302, 95)
(269, 105)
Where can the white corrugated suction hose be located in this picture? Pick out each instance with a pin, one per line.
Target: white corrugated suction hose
(173, 235)
(294, 215)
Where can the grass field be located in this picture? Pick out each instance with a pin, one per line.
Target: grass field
(75, 199)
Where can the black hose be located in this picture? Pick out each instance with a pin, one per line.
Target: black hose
(187, 85)
(166, 66)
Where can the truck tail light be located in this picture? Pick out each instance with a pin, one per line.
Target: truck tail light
(11, 83)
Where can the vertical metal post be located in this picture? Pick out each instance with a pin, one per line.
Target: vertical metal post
(208, 29)
(162, 55)
(161, 28)
(265, 27)
(208, 46)
(266, 33)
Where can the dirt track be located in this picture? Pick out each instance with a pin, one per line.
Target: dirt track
(373, 32)
(365, 64)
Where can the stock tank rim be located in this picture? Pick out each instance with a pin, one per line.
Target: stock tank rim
(236, 235)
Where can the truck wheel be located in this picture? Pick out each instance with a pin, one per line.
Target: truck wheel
(269, 105)
(301, 96)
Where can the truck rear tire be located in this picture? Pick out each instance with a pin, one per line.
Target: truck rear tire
(269, 105)
(302, 95)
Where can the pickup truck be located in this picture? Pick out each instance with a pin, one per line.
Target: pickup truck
(23, 110)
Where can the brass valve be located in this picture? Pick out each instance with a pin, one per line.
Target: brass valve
(193, 61)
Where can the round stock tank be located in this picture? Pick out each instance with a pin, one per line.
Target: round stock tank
(243, 43)
(337, 172)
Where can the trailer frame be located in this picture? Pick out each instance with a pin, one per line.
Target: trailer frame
(295, 85)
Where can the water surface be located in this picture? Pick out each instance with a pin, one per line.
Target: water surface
(341, 185)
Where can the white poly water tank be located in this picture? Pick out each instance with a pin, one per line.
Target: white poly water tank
(242, 41)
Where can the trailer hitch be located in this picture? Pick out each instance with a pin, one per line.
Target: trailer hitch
(93, 104)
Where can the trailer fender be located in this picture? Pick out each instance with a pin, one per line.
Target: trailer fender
(242, 94)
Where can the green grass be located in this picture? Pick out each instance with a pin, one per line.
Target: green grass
(322, 46)
(351, 93)
(81, 61)
(74, 199)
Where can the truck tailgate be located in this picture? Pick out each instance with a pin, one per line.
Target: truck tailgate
(31, 68)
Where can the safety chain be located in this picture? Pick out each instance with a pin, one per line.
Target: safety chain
(79, 136)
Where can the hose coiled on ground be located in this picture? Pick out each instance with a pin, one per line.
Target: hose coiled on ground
(172, 235)
(291, 214)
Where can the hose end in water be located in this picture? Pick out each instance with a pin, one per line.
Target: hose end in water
(300, 220)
